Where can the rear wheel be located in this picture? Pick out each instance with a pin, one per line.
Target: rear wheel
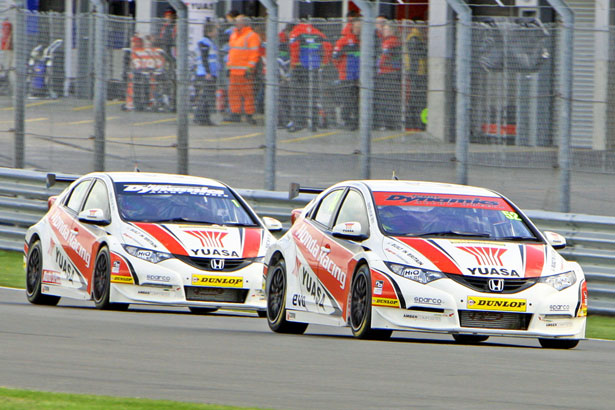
(469, 339)
(276, 299)
(202, 310)
(101, 287)
(34, 276)
(559, 343)
(361, 307)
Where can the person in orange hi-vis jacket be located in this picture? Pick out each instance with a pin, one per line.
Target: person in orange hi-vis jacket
(244, 53)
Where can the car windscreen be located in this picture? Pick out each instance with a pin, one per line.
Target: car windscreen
(421, 214)
(139, 202)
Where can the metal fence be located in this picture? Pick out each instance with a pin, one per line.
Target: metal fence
(591, 239)
(104, 92)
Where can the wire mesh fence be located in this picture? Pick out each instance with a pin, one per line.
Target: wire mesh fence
(513, 118)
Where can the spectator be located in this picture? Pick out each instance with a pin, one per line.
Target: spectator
(284, 104)
(346, 57)
(206, 75)
(244, 46)
(416, 66)
(168, 33)
(388, 81)
(309, 50)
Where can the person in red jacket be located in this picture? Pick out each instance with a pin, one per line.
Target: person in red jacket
(346, 56)
(387, 95)
(309, 51)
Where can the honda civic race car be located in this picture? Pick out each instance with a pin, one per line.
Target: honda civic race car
(380, 256)
(123, 238)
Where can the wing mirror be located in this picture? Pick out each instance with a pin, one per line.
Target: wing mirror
(349, 230)
(93, 216)
(556, 240)
(272, 224)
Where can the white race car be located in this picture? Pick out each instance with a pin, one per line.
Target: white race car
(122, 238)
(380, 256)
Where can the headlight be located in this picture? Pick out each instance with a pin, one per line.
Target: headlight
(147, 254)
(416, 274)
(560, 281)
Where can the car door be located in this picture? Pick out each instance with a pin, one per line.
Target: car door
(307, 234)
(64, 250)
(338, 256)
(90, 235)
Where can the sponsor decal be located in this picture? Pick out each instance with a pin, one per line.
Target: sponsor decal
(379, 301)
(485, 256)
(218, 281)
(214, 252)
(313, 288)
(115, 267)
(290, 315)
(311, 244)
(66, 265)
(174, 189)
(51, 277)
(299, 300)
(121, 279)
(505, 305)
(71, 238)
(378, 287)
(209, 239)
(493, 271)
(158, 278)
(559, 308)
(423, 317)
(428, 301)
(405, 252)
(447, 200)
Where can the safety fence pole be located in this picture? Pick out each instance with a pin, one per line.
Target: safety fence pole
(19, 102)
(271, 93)
(366, 83)
(100, 84)
(462, 83)
(565, 90)
(182, 100)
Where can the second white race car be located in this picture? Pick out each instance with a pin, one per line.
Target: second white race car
(380, 256)
(124, 238)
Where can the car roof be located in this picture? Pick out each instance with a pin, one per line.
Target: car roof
(425, 187)
(160, 178)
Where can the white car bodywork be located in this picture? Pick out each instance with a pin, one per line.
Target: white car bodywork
(456, 284)
(169, 263)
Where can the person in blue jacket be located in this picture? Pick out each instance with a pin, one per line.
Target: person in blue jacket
(207, 68)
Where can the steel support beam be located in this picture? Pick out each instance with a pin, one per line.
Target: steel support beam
(19, 97)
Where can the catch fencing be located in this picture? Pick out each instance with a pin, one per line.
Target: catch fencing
(101, 92)
(591, 239)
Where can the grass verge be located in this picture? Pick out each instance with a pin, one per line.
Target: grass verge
(12, 275)
(16, 399)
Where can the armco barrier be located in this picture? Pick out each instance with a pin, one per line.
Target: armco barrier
(591, 239)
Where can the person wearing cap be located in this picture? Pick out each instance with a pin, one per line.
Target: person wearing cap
(244, 54)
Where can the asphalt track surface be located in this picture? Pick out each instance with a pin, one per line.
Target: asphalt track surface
(233, 358)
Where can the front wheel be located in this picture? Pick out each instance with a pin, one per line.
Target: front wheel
(34, 276)
(276, 299)
(559, 343)
(361, 308)
(101, 288)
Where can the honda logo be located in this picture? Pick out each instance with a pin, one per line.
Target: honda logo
(496, 285)
(217, 264)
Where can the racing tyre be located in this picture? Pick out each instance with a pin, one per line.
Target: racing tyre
(559, 343)
(276, 298)
(102, 282)
(469, 339)
(361, 308)
(202, 310)
(34, 276)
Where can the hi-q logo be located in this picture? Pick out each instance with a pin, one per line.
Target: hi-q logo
(209, 239)
(485, 256)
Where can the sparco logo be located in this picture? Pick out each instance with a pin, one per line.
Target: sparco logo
(559, 308)
(158, 278)
(485, 256)
(209, 239)
(428, 301)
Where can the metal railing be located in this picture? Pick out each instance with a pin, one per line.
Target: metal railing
(591, 239)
